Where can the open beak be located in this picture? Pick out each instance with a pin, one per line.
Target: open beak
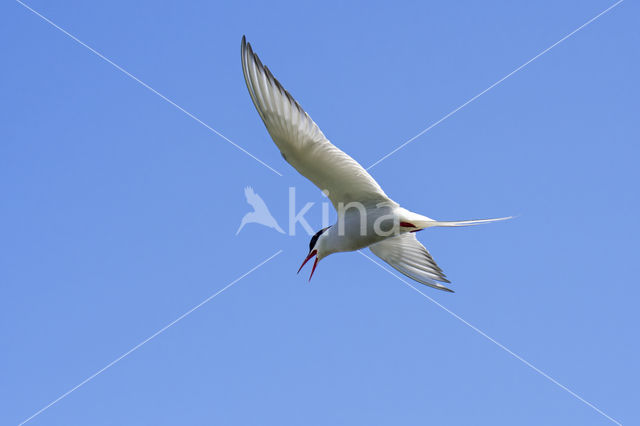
(311, 254)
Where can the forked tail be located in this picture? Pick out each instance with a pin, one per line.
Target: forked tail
(414, 221)
(467, 222)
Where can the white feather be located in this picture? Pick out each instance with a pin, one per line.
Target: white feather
(302, 143)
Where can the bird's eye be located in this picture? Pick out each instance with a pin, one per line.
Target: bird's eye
(314, 239)
(312, 243)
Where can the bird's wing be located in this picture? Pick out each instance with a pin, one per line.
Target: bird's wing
(407, 255)
(255, 200)
(302, 143)
(249, 194)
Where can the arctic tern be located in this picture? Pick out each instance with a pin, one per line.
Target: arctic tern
(367, 217)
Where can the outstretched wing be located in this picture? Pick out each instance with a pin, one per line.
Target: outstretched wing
(407, 255)
(302, 143)
(255, 200)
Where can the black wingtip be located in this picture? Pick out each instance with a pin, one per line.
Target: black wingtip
(443, 288)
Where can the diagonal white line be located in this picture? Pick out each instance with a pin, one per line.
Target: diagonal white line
(494, 85)
(154, 335)
(133, 77)
(500, 345)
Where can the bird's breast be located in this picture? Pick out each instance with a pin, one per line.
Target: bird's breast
(359, 228)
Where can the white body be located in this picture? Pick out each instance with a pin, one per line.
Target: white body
(355, 230)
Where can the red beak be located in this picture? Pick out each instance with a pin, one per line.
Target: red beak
(313, 253)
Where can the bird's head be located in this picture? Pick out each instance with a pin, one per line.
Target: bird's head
(317, 249)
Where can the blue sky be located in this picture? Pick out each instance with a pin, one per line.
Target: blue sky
(119, 214)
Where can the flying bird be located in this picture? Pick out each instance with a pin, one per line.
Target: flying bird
(260, 213)
(367, 217)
